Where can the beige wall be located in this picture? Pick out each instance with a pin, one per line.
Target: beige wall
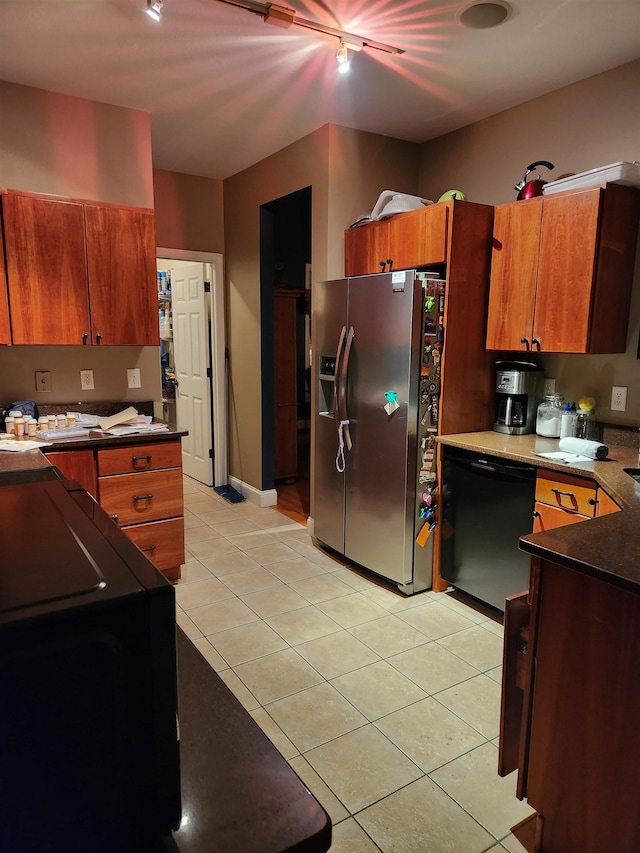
(583, 126)
(189, 212)
(52, 143)
(347, 170)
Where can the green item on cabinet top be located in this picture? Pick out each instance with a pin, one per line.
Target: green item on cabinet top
(451, 194)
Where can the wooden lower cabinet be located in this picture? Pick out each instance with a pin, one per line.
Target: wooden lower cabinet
(563, 499)
(140, 486)
(78, 465)
(578, 753)
(162, 542)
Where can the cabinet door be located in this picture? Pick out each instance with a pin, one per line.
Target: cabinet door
(566, 271)
(46, 270)
(419, 238)
(5, 328)
(121, 258)
(514, 271)
(366, 248)
(77, 465)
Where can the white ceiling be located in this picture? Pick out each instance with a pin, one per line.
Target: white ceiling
(225, 89)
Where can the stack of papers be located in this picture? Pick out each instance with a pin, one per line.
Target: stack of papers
(564, 456)
(129, 422)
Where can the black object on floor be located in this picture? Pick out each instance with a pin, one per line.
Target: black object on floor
(229, 494)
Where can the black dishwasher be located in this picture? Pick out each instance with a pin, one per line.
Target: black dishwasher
(487, 505)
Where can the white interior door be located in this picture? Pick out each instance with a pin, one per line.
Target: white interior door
(190, 305)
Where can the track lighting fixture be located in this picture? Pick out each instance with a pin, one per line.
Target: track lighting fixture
(154, 9)
(282, 16)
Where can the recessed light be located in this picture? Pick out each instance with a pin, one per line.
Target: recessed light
(483, 16)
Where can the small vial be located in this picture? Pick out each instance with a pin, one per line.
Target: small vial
(8, 424)
(71, 421)
(18, 427)
(43, 423)
(62, 421)
(53, 422)
(32, 427)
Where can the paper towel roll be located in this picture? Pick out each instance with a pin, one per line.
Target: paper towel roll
(592, 449)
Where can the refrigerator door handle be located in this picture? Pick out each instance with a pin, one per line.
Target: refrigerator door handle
(344, 371)
(336, 378)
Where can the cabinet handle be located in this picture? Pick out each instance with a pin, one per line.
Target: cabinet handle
(85, 337)
(98, 337)
(535, 342)
(142, 498)
(150, 548)
(525, 341)
(383, 265)
(559, 495)
(145, 459)
(535, 514)
(390, 262)
(115, 517)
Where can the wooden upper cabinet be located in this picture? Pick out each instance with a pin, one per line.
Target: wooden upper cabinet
(77, 273)
(419, 238)
(5, 326)
(562, 271)
(414, 239)
(46, 270)
(366, 248)
(514, 272)
(122, 275)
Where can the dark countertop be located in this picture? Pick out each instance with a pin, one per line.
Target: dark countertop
(607, 547)
(238, 792)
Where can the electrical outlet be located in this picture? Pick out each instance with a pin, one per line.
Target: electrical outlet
(549, 386)
(86, 380)
(618, 398)
(43, 381)
(133, 378)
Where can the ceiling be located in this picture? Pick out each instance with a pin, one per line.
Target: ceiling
(225, 89)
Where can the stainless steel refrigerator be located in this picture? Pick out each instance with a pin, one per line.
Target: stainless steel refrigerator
(375, 344)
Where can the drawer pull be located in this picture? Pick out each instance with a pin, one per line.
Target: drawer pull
(146, 459)
(142, 498)
(150, 548)
(115, 517)
(559, 495)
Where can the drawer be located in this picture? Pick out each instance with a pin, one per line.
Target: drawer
(135, 498)
(547, 517)
(161, 541)
(567, 492)
(139, 457)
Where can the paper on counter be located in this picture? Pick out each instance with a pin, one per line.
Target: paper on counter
(120, 418)
(130, 428)
(564, 456)
(17, 446)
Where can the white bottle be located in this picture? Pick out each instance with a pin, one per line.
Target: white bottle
(568, 422)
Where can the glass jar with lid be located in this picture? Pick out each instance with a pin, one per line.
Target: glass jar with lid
(549, 416)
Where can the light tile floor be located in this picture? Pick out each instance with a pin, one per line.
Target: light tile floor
(387, 707)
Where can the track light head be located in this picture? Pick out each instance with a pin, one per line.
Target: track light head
(342, 58)
(154, 9)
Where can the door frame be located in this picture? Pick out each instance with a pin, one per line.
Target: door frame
(218, 355)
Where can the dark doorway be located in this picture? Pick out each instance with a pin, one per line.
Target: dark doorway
(285, 259)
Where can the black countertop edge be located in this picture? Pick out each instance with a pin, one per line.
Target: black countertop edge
(238, 792)
(606, 548)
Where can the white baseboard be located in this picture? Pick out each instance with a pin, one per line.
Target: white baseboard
(269, 497)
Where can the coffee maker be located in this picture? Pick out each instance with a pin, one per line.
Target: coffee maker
(518, 391)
